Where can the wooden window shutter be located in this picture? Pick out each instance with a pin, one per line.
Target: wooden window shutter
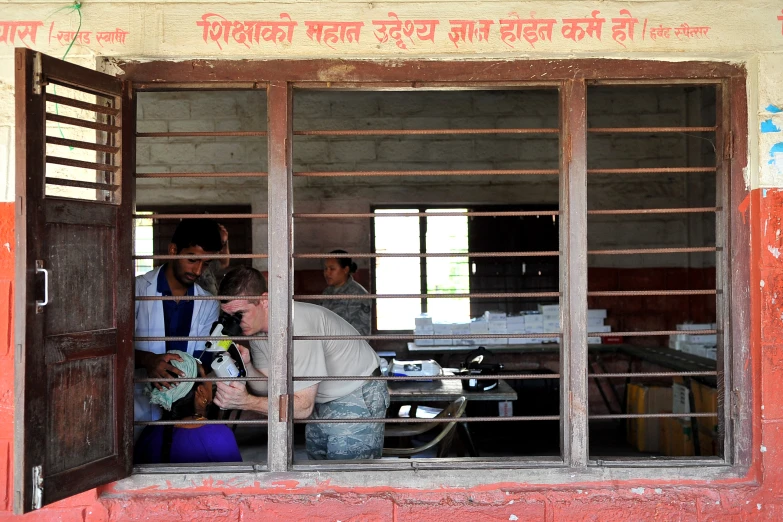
(74, 280)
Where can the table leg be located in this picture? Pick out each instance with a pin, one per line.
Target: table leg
(466, 438)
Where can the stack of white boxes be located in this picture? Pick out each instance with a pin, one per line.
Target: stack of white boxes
(424, 327)
(546, 320)
(595, 324)
(703, 345)
(496, 324)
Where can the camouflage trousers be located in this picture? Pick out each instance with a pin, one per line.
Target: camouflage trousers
(343, 441)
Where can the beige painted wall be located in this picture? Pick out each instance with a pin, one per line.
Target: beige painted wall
(742, 31)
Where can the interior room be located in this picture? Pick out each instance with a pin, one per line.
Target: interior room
(465, 173)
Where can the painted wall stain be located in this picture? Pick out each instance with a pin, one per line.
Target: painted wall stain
(773, 109)
(775, 252)
(769, 126)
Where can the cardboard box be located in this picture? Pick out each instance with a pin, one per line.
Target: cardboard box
(705, 400)
(676, 439)
(643, 434)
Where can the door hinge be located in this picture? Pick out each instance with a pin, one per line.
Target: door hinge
(283, 416)
(38, 80)
(37, 487)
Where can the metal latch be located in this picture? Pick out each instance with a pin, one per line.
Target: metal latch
(38, 77)
(283, 415)
(39, 267)
(37, 487)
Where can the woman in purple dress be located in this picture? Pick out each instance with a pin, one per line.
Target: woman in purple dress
(185, 443)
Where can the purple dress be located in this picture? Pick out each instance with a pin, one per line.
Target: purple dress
(208, 443)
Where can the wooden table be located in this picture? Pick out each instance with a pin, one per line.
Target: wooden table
(448, 390)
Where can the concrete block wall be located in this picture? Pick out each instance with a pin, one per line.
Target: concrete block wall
(320, 110)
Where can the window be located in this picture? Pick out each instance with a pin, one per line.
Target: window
(400, 234)
(333, 155)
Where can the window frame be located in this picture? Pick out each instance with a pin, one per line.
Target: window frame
(571, 77)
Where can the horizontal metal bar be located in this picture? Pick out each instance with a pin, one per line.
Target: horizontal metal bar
(653, 170)
(94, 107)
(143, 175)
(61, 182)
(432, 254)
(199, 216)
(650, 374)
(628, 251)
(654, 211)
(201, 379)
(200, 134)
(422, 132)
(82, 145)
(631, 293)
(650, 416)
(200, 338)
(427, 214)
(259, 422)
(57, 160)
(78, 122)
(372, 173)
(516, 376)
(651, 333)
(340, 297)
(206, 256)
(199, 297)
(442, 420)
(443, 336)
(601, 130)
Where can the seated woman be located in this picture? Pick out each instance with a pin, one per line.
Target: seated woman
(184, 443)
(337, 272)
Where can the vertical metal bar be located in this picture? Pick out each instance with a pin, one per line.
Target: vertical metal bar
(573, 273)
(423, 260)
(280, 129)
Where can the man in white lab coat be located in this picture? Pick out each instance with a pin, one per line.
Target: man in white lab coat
(170, 318)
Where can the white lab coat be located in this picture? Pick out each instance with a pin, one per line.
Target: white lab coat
(150, 323)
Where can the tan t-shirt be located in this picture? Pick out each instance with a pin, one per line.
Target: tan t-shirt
(326, 357)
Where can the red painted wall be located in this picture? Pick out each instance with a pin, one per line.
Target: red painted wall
(759, 496)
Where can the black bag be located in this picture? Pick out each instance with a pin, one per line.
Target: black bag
(480, 362)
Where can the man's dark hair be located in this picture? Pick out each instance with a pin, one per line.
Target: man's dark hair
(242, 280)
(201, 232)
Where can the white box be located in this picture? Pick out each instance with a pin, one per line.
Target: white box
(594, 340)
(599, 329)
(550, 309)
(423, 320)
(461, 329)
(505, 409)
(709, 339)
(680, 399)
(596, 313)
(497, 326)
(515, 320)
(551, 326)
(595, 321)
(443, 329)
(424, 330)
(534, 321)
(494, 316)
(696, 326)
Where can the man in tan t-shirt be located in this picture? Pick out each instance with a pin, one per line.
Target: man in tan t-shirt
(318, 358)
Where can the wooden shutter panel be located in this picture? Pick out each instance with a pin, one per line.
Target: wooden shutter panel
(74, 355)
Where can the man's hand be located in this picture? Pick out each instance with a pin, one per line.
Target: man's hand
(159, 367)
(245, 354)
(233, 396)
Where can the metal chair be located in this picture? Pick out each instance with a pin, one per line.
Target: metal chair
(443, 439)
